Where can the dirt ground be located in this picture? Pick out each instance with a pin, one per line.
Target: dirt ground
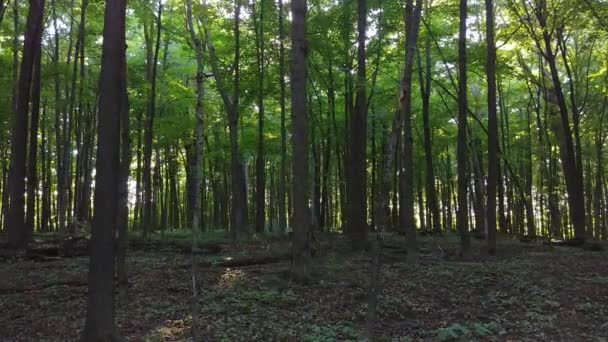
(528, 292)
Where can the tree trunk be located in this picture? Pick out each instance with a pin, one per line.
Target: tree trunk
(463, 177)
(301, 258)
(572, 173)
(147, 220)
(283, 172)
(260, 163)
(32, 171)
(197, 164)
(99, 324)
(357, 177)
(493, 161)
(238, 217)
(18, 234)
(425, 92)
(122, 221)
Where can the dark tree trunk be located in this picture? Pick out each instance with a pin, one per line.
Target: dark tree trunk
(32, 171)
(573, 174)
(301, 258)
(99, 324)
(493, 161)
(357, 166)
(18, 233)
(283, 172)
(463, 177)
(122, 220)
(260, 162)
(392, 144)
(148, 210)
(196, 165)
(425, 91)
(238, 216)
(45, 204)
(405, 111)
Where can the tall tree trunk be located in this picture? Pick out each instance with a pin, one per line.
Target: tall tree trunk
(391, 147)
(197, 165)
(32, 171)
(301, 258)
(148, 212)
(405, 111)
(357, 177)
(99, 324)
(463, 176)
(238, 216)
(425, 92)
(283, 171)
(492, 182)
(573, 174)
(260, 162)
(18, 233)
(122, 216)
(45, 173)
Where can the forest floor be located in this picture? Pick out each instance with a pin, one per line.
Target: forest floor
(528, 292)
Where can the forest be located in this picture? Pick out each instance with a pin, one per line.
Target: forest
(213, 170)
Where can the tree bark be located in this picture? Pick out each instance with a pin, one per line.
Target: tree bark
(260, 162)
(17, 232)
(425, 91)
(462, 154)
(32, 171)
(357, 165)
(283, 172)
(197, 164)
(301, 257)
(147, 220)
(99, 324)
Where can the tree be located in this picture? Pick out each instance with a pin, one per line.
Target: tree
(32, 174)
(99, 324)
(405, 110)
(197, 169)
(147, 220)
(18, 233)
(238, 214)
(260, 161)
(425, 92)
(492, 129)
(283, 167)
(462, 159)
(301, 263)
(357, 165)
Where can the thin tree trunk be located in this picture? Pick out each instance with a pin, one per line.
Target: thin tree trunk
(260, 163)
(283, 171)
(148, 212)
(493, 160)
(197, 167)
(463, 179)
(122, 221)
(425, 91)
(32, 171)
(238, 217)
